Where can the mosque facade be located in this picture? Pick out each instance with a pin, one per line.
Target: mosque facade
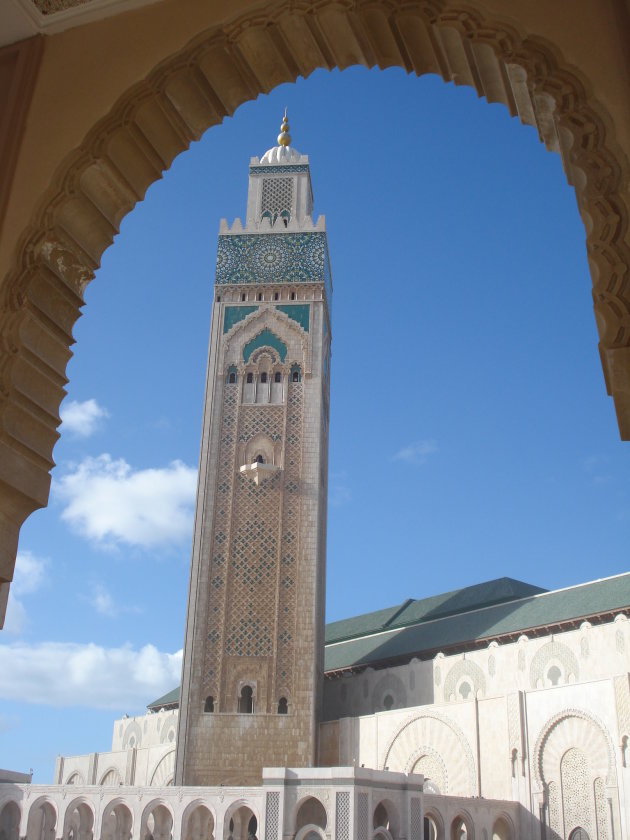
(498, 711)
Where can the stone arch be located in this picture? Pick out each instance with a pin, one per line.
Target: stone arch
(111, 777)
(435, 831)
(117, 821)
(75, 778)
(10, 818)
(240, 813)
(570, 728)
(42, 820)
(156, 822)
(462, 826)
(310, 811)
(164, 770)
(198, 821)
(98, 183)
(446, 739)
(311, 832)
(550, 655)
(464, 672)
(386, 817)
(78, 821)
(503, 828)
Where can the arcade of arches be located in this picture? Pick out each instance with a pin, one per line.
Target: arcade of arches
(114, 113)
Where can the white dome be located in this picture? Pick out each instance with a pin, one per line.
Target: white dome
(281, 154)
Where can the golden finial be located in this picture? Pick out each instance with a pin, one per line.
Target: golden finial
(284, 138)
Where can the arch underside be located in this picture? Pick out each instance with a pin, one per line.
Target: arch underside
(195, 89)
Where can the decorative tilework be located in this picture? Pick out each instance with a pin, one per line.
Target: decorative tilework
(234, 314)
(274, 258)
(265, 338)
(362, 817)
(299, 312)
(342, 816)
(288, 169)
(272, 816)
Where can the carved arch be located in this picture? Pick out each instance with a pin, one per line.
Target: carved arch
(190, 91)
(567, 729)
(446, 739)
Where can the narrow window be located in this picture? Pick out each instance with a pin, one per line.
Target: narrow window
(209, 704)
(277, 376)
(250, 378)
(292, 295)
(259, 295)
(295, 376)
(218, 298)
(388, 702)
(243, 296)
(232, 378)
(283, 706)
(263, 376)
(275, 295)
(246, 700)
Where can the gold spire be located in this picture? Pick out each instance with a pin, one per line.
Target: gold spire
(284, 138)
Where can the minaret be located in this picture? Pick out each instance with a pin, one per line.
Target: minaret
(253, 654)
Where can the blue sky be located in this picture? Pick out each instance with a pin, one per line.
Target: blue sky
(471, 434)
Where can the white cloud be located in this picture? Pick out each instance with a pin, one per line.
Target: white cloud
(82, 418)
(28, 577)
(416, 453)
(107, 501)
(103, 602)
(63, 674)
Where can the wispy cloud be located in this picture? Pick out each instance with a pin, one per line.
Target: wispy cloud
(417, 452)
(29, 576)
(82, 418)
(101, 599)
(62, 674)
(109, 502)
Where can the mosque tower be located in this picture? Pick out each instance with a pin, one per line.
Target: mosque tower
(253, 654)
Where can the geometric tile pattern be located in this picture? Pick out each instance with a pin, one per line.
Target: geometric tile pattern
(287, 596)
(279, 170)
(220, 545)
(277, 195)
(342, 816)
(272, 816)
(274, 258)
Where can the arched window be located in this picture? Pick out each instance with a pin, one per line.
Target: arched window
(263, 377)
(246, 700)
(554, 674)
(430, 829)
(277, 377)
(296, 374)
(209, 704)
(243, 296)
(283, 706)
(292, 295)
(250, 378)
(579, 833)
(465, 690)
(232, 378)
(258, 459)
(388, 702)
(259, 295)
(275, 295)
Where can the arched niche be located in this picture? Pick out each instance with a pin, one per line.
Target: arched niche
(194, 88)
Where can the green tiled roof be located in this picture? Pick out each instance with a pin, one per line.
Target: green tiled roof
(437, 606)
(488, 610)
(167, 700)
(432, 633)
